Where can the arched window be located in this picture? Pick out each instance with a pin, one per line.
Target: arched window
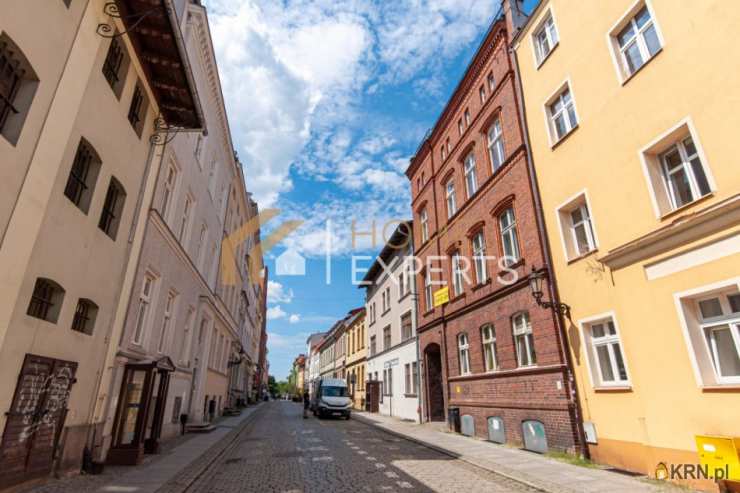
(82, 176)
(110, 217)
(46, 300)
(18, 83)
(85, 315)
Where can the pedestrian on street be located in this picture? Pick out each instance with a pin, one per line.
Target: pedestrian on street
(305, 404)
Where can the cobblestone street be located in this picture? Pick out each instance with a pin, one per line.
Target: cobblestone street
(282, 452)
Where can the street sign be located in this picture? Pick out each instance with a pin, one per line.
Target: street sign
(441, 296)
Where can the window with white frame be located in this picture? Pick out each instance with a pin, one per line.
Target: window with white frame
(606, 353)
(463, 353)
(401, 284)
(407, 378)
(415, 378)
(491, 81)
(185, 220)
(496, 145)
(166, 322)
(387, 338)
(450, 194)
(145, 299)
(424, 219)
(428, 290)
(576, 227)
(373, 345)
(719, 322)
(467, 117)
(545, 38)
(676, 169)
(460, 127)
(684, 174)
(479, 258)
(457, 274)
(509, 240)
(169, 189)
(488, 338)
(562, 114)
(482, 94)
(471, 183)
(183, 353)
(443, 152)
(636, 40)
(523, 339)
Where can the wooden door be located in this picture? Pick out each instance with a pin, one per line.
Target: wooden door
(372, 398)
(35, 419)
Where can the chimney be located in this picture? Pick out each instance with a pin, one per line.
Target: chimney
(515, 17)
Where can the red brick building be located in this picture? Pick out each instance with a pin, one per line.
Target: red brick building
(490, 351)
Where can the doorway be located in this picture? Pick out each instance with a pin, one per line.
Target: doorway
(435, 393)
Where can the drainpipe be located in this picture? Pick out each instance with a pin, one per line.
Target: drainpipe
(573, 400)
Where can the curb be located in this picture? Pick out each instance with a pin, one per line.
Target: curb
(226, 445)
(368, 422)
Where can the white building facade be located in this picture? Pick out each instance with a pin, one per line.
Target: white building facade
(390, 303)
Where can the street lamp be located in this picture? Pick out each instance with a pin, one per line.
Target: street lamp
(535, 287)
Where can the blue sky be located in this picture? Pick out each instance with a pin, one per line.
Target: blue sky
(327, 101)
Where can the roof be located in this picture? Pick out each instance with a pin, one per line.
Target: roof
(400, 238)
(153, 30)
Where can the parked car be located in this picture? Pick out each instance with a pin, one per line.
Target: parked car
(331, 398)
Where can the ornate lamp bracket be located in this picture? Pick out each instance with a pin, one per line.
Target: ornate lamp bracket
(163, 132)
(111, 9)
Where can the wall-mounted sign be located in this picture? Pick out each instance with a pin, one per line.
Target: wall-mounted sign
(441, 296)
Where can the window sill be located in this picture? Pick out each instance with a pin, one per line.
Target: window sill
(385, 312)
(722, 387)
(628, 78)
(582, 256)
(539, 63)
(428, 312)
(683, 208)
(404, 296)
(458, 297)
(481, 284)
(613, 388)
(410, 395)
(564, 137)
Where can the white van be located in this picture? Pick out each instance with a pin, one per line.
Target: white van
(331, 398)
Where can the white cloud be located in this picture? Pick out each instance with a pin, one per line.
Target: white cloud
(277, 293)
(294, 318)
(276, 313)
(294, 74)
(294, 342)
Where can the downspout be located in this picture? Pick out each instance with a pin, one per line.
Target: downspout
(573, 400)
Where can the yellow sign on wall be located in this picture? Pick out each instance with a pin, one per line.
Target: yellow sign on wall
(441, 296)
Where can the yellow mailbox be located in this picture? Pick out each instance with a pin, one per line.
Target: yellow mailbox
(720, 453)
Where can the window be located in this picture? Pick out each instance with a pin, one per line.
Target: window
(407, 379)
(576, 227)
(545, 38)
(84, 318)
(183, 353)
(684, 174)
(169, 189)
(383, 302)
(145, 298)
(482, 94)
(460, 127)
(388, 298)
(164, 333)
(176, 408)
(488, 338)
(457, 274)
(719, 324)
(415, 378)
(185, 220)
(401, 284)
(137, 110)
(387, 338)
(607, 353)
(523, 339)
(467, 117)
(479, 258)
(18, 84)
(463, 353)
(562, 113)
(449, 147)
(509, 241)
(388, 382)
(491, 81)
(451, 205)
(110, 217)
(406, 328)
(424, 219)
(428, 290)
(46, 300)
(496, 145)
(637, 41)
(373, 345)
(443, 152)
(471, 185)
(82, 177)
(115, 66)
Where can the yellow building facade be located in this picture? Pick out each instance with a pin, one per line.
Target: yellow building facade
(632, 112)
(356, 360)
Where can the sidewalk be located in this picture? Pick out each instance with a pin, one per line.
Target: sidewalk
(535, 470)
(171, 471)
